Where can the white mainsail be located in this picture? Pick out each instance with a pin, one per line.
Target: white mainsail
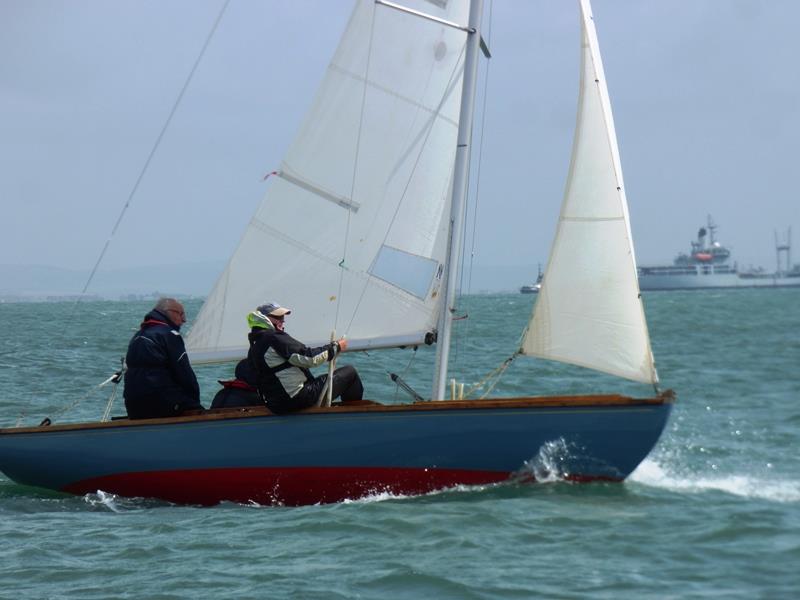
(589, 311)
(351, 234)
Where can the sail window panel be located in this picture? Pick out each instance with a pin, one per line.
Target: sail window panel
(409, 272)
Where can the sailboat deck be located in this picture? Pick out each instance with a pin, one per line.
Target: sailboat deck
(604, 400)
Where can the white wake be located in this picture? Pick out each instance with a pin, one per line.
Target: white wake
(653, 474)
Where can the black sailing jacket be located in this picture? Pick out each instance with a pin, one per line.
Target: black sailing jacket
(159, 381)
(282, 364)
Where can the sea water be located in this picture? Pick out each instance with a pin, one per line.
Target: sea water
(713, 512)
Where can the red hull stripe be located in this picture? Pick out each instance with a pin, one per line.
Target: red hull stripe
(289, 486)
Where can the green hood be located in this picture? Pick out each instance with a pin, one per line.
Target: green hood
(255, 320)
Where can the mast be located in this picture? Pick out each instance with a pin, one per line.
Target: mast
(458, 202)
(781, 247)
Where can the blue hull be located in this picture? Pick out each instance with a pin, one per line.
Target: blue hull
(326, 455)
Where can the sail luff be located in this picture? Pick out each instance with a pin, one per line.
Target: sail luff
(458, 202)
(589, 311)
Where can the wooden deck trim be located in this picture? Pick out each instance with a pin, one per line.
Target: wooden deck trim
(587, 401)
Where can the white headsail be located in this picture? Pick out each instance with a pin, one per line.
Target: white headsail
(589, 311)
(351, 234)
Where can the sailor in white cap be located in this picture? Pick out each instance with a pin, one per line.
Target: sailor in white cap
(283, 364)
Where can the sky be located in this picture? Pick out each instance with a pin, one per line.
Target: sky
(705, 96)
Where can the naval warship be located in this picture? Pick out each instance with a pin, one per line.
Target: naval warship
(708, 265)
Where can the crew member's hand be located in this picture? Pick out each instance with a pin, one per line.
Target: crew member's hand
(342, 345)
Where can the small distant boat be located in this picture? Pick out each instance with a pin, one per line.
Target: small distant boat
(533, 288)
(708, 265)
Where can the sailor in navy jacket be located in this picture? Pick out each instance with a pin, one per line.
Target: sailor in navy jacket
(159, 381)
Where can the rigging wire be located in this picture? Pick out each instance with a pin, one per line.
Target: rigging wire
(115, 379)
(140, 177)
(497, 373)
(403, 374)
(154, 149)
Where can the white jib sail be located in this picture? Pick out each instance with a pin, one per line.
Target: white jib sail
(351, 235)
(589, 311)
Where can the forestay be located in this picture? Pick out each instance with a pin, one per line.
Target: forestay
(589, 311)
(352, 234)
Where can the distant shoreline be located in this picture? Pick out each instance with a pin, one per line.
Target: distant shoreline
(56, 298)
(41, 283)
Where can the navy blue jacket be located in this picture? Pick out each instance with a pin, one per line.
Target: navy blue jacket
(159, 381)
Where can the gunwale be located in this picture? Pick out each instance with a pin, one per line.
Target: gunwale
(522, 402)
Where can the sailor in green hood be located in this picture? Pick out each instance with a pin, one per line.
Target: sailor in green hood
(283, 364)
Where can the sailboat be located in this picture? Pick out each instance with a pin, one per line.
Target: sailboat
(370, 203)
